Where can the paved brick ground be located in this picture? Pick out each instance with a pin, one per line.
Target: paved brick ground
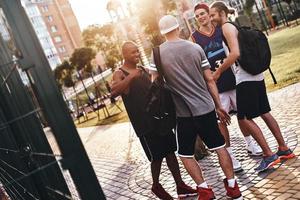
(124, 173)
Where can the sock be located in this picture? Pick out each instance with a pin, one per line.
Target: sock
(231, 182)
(248, 140)
(229, 149)
(203, 185)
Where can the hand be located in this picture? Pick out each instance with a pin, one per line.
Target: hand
(216, 75)
(224, 117)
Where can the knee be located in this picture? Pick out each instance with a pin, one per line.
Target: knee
(186, 158)
(266, 116)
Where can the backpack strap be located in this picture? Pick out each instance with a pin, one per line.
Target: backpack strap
(157, 61)
(273, 77)
(162, 80)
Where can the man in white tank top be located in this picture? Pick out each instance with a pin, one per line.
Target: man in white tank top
(252, 100)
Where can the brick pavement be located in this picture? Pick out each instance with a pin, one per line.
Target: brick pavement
(124, 173)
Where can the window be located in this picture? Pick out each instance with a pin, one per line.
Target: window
(45, 8)
(62, 49)
(57, 39)
(53, 29)
(49, 18)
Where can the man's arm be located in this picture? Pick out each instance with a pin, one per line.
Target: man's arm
(231, 34)
(121, 83)
(213, 90)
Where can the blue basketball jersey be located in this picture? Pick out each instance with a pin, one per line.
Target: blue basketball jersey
(215, 53)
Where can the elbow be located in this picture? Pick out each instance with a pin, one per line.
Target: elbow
(114, 92)
(210, 81)
(236, 55)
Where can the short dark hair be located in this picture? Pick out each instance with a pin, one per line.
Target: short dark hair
(201, 6)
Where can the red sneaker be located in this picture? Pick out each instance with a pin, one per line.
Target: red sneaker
(161, 193)
(205, 193)
(184, 190)
(233, 193)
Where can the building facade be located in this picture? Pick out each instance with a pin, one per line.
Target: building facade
(42, 33)
(62, 25)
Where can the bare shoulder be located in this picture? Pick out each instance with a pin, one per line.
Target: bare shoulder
(229, 29)
(118, 75)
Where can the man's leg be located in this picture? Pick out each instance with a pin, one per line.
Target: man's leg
(257, 135)
(193, 168)
(225, 162)
(224, 130)
(183, 190)
(174, 167)
(149, 145)
(155, 171)
(228, 105)
(273, 126)
(252, 147)
(236, 164)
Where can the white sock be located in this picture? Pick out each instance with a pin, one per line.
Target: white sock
(229, 149)
(231, 182)
(248, 140)
(203, 185)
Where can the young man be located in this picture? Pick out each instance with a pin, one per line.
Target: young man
(133, 83)
(187, 72)
(209, 37)
(252, 99)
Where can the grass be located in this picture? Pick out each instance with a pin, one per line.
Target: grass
(285, 47)
(116, 116)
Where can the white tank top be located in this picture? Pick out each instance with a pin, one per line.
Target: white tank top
(240, 74)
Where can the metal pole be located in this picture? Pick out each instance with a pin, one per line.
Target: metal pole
(56, 111)
(268, 13)
(261, 19)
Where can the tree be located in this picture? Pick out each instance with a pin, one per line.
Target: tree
(60, 73)
(248, 9)
(149, 14)
(102, 38)
(80, 59)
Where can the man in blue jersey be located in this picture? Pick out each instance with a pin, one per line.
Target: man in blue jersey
(209, 37)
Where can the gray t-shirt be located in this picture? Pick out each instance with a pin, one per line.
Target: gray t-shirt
(183, 63)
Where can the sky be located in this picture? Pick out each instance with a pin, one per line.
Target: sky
(90, 12)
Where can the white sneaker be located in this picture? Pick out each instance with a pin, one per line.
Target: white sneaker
(253, 149)
(236, 164)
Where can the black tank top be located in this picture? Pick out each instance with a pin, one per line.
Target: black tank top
(135, 102)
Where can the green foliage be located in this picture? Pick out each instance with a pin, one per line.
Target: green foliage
(82, 57)
(101, 38)
(169, 5)
(149, 13)
(63, 74)
(68, 80)
(248, 7)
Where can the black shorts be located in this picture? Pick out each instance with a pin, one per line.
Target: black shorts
(251, 99)
(206, 126)
(158, 147)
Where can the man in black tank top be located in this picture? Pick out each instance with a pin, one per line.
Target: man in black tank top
(132, 83)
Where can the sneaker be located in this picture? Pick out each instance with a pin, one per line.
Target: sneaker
(184, 190)
(161, 193)
(267, 162)
(287, 154)
(254, 149)
(205, 193)
(233, 193)
(236, 164)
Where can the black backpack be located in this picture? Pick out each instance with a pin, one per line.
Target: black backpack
(160, 105)
(255, 53)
